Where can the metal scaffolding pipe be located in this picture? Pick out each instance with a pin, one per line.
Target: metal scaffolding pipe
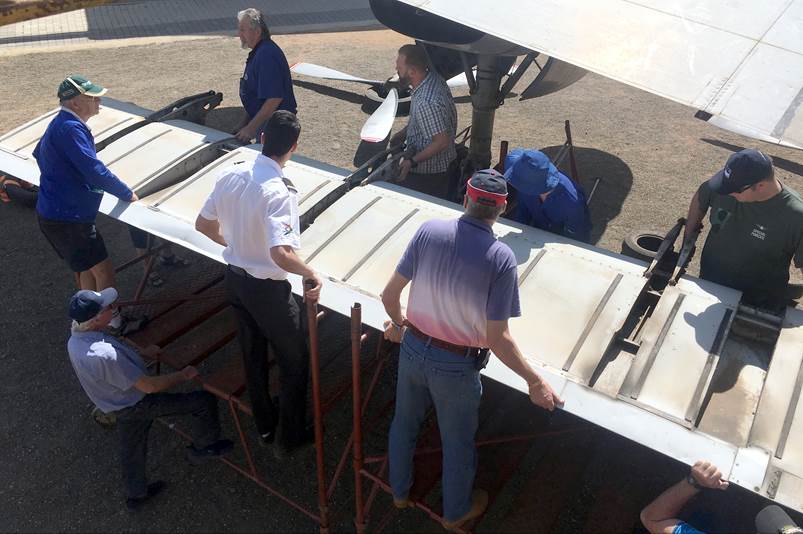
(315, 367)
(356, 406)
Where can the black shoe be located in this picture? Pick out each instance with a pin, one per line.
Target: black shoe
(216, 450)
(283, 451)
(266, 440)
(135, 503)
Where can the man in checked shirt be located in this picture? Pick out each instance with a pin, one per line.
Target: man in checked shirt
(430, 132)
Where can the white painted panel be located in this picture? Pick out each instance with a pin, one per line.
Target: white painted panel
(145, 153)
(559, 297)
(750, 468)
(184, 200)
(609, 322)
(672, 380)
(744, 17)
(773, 73)
(643, 47)
(788, 30)
(779, 385)
(113, 117)
(359, 237)
(687, 51)
(790, 491)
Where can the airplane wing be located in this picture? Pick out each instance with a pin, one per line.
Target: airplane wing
(652, 385)
(739, 62)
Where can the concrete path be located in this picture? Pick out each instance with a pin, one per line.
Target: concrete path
(180, 18)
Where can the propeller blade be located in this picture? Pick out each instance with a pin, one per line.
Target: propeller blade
(460, 79)
(379, 124)
(317, 71)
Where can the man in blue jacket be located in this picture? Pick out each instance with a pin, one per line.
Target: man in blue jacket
(547, 198)
(266, 85)
(72, 183)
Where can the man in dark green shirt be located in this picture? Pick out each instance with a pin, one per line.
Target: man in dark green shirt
(756, 229)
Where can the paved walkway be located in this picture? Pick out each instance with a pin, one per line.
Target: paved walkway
(166, 18)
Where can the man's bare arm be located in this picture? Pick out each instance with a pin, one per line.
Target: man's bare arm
(287, 259)
(154, 384)
(210, 229)
(501, 342)
(248, 132)
(694, 219)
(660, 516)
(391, 299)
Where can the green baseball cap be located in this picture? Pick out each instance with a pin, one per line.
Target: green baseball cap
(75, 85)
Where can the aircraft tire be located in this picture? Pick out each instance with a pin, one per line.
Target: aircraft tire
(642, 245)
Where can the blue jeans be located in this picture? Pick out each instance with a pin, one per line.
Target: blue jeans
(429, 375)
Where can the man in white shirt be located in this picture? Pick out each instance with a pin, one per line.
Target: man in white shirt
(253, 212)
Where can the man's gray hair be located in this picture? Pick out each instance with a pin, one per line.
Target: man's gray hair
(482, 211)
(256, 19)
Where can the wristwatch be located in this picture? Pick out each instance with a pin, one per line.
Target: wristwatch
(693, 482)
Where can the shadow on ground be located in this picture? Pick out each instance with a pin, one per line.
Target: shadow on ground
(781, 163)
(225, 119)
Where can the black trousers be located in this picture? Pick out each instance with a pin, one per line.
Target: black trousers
(436, 184)
(267, 313)
(134, 423)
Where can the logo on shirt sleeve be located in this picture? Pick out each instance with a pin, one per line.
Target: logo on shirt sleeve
(287, 229)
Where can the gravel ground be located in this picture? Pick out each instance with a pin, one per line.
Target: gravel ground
(57, 466)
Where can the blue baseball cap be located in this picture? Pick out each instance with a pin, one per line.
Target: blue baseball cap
(86, 304)
(743, 169)
(530, 171)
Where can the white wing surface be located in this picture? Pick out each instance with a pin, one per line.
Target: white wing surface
(740, 61)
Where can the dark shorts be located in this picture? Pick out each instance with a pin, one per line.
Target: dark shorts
(79, 244)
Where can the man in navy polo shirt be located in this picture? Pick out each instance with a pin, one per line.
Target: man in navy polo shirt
(266, 85)
(464, 290)
(72, 183)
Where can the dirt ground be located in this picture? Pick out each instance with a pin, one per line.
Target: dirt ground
(57, 468)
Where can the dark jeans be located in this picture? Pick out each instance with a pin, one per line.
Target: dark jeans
(430, 375)
(134, 422)
(266, 313)
(436, 184)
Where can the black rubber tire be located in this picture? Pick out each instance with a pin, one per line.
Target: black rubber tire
(642, 245)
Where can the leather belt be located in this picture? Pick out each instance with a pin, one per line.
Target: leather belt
(462, 350)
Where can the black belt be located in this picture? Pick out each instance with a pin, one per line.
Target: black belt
(240, 271)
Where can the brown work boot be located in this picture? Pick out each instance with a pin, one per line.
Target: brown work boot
(479, 502)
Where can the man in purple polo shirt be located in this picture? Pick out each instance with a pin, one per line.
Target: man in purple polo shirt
(464, 290)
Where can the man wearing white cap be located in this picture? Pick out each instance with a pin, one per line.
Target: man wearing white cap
(114, 377)
(72, 183)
